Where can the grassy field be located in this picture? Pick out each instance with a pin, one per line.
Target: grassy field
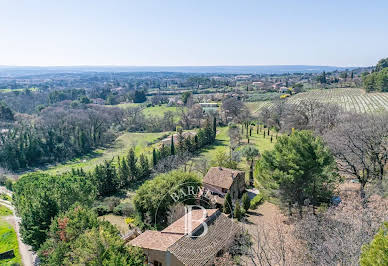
(8, 241)
(350, 99)
(159, 110)
(222, 145)
(4, 211)
(121, 146)
(118, 221)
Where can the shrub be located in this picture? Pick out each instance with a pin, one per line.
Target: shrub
(256, 201)
(246, 202)
(125, 209)
(237, 211)
(9, 184)
(376, 252)
(111, 203)
(101, 210)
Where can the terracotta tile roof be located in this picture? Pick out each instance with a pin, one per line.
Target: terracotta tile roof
(155, 240)
(161, 240)
(221, 177)
(178, 227)
(201, 250)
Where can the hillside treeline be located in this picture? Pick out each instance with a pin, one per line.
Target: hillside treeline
(378, 79)
(56, 134)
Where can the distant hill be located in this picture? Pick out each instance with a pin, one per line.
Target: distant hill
(11, 71)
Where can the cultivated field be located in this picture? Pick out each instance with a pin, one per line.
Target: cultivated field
(351, 99)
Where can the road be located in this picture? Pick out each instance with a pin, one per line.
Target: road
(28, 256)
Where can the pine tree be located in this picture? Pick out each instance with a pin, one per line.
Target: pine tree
(227, 204)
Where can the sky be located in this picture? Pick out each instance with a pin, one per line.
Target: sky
(193, 32)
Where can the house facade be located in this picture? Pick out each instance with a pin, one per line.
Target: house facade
(220, 180)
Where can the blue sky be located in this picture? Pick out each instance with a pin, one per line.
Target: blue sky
(196, 32)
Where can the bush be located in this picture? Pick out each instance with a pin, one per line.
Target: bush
(246, 202)
(101, 210)
(376, 252)
(111, 203)
(256, 201)
(2, 180)
(237, 211)
(124, 209)
(9, 184)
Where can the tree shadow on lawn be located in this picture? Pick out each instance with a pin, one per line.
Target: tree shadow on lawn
(217, 143)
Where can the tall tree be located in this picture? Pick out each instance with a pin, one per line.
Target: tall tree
(131, 161)
(250, 153)
(302, 167)
(172, 146)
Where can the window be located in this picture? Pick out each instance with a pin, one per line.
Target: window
(157, 263)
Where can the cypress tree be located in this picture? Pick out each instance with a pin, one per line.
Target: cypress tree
(237, 211)
(246, 202)
(154, 158)
(131, 161)
(144, 167)
(172, 150)
(214, 127)
(123, 172)
(227, 204)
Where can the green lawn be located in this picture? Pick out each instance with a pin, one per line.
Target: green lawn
(4, 211)
(8, 241)
(141, 141)
(222, 144)
(158, 110)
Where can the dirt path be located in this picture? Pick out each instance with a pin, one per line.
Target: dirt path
(269, 229)
(28, 257)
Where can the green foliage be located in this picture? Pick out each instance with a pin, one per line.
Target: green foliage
(154, 196)
(6, 114)
(256, 201)
(237, 211)
(227, 208)
(105, 179)
(172, 146)
(144, 168)
(222, 159)
(39, 197)
(246, 202)
(301, 167)
(131, 161)
(377, 80)
(185, 96)
(139, 96)
(78, 237)
(383, 63)
(376, 252)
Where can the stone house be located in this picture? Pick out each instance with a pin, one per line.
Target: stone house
(174, 246)
(220, 180)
